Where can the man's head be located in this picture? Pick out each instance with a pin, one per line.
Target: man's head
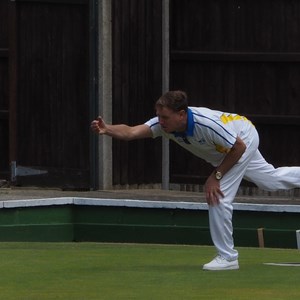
(174, 100)
(171, 109)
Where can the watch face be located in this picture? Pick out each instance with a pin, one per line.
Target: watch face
(218, 175)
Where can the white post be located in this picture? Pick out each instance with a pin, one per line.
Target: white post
(298, 238)
(165, 88)
(105, 92)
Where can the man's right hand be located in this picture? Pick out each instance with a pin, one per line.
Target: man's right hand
(98, 126)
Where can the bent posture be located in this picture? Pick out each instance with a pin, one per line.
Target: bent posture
(227, 141)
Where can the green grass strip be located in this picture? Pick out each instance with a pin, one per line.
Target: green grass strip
(87, 271)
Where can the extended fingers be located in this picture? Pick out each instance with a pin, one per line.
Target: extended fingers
(95, 124)
(213, 196)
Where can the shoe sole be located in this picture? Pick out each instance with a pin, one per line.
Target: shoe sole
(221, 269)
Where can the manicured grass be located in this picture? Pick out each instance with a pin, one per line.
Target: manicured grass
(87, 271)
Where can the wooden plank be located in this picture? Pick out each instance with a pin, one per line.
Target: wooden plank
(137, 81)
(4, 114)
(13, 84)
(260, 236)
(3, 52)
(4, 20)
(52, 42)
(235, 25)
(243, 57)
(275, 119)
(55, 1)
(4, 93)
(235, 56)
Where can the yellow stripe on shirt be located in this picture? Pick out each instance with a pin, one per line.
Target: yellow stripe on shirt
(230, 118)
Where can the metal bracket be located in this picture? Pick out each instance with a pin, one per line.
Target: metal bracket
(23, 171)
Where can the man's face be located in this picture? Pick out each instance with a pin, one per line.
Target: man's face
(170, 120)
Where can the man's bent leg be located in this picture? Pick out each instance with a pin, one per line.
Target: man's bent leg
(266, 177)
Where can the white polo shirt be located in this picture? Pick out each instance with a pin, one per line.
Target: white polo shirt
(210, 133)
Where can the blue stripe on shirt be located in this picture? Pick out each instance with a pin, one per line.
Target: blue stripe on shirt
(205, 117)
(154, 124)
(216, 132)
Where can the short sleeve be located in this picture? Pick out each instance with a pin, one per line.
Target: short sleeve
(155, 127)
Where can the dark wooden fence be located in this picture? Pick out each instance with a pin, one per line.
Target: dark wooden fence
(49, 91)
(4, 106)
(137, 83)
(239, 56)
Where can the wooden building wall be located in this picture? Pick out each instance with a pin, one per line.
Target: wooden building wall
(48, 89)
(239, 56)
(49, 98)
(4, 106)
(137, 83)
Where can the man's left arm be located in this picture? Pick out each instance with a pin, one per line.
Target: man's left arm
(212, 185)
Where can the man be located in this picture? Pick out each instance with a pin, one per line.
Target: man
(227, 141)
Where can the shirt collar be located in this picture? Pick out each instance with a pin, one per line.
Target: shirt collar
(190, 125)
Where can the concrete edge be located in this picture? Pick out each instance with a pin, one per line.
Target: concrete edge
(142, 204)
(36, 202)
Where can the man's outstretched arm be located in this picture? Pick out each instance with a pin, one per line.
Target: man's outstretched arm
(121, 131)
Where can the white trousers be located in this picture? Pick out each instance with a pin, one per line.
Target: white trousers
(252, 167)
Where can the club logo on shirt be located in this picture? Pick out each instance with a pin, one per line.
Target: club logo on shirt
(182, 139)
(201, 141)
(222, 149)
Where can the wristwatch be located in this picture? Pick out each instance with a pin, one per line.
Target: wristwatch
(218, 175)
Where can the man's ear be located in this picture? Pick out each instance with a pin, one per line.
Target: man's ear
(182, 113)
